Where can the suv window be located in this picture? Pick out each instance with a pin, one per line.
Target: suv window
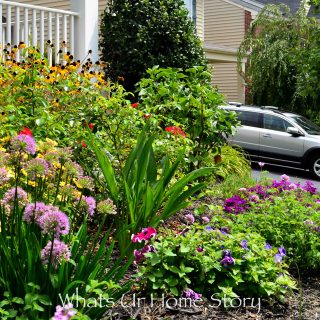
(248, 118)
(272, 122)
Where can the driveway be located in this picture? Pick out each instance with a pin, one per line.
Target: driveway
(275, 172)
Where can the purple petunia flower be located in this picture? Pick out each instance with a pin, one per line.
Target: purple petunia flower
(139, 255)
(190, 294)
(23, 143)
(309, 187)
(54, 222)
(145, 235)
(268, 246)
(60, 252)
(244, 244)
(227, 261)
(284, 177)
(235, 204)
(64, 313)
(277, 258)
(282, 251)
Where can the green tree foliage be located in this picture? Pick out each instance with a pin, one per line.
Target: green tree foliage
(283, 59)
(138, 34)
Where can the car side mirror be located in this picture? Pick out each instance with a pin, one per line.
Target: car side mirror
(294, 131)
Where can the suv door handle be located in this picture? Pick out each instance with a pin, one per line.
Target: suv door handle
(267, 135)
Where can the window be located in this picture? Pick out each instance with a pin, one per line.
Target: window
(191, 6)
(272, 122)
(248, 118)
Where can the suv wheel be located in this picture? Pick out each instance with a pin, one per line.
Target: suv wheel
(314, 166)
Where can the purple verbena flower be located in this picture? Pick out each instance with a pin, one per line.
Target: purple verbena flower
(60, 252)
(309, 187)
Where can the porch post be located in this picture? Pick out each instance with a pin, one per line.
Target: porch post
(86, 28)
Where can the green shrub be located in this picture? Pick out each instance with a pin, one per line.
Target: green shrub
(213, 263)
(137, 35)
(185, 103)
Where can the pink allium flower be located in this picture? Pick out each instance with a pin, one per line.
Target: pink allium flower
(24, 143)
(4, 176)
(9, 198)
(34, 211)
(64, 313)
(54, 221)
(60, 252)
(90, 204)
(190, 218)
(144, 235)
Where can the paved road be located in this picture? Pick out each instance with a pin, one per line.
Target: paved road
(275, 172)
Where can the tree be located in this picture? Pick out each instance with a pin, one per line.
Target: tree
(277, 48)
(139, 34)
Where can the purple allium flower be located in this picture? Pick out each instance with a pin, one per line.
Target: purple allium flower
(9, 198)
(277, 258)
(73, 169)
(85, 182)
(24, 143)
(261, 164)
(190, 294)
(88, 204)
(227, 261)
(36, 167)
(106, 207)
(244, 244)
(205, 219)
(4, 176)
(64, 313)
(34, 211)
(145, 235)
(139, 255)
(55, 222)
(190, 218)
(282, 251)
(268, 246)
(60, 252)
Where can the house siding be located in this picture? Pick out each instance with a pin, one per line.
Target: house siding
(223, 23)
(200, 18)
(226, 78)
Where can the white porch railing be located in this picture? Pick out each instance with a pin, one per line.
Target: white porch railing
(50, 29)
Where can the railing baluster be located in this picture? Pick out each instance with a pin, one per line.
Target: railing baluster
(50, 38)
(26, 26)
(17, 31)
(72, 35)
(64, 36)
(42, 32)
(57, 40)
(8, 24)
(34, 28)
(1, 30)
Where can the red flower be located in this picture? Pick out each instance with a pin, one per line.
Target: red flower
(83, 144)
(135, 105)
(147, 116)
(91, 125)
(144, 235)
(176, 131)
(26, 131)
